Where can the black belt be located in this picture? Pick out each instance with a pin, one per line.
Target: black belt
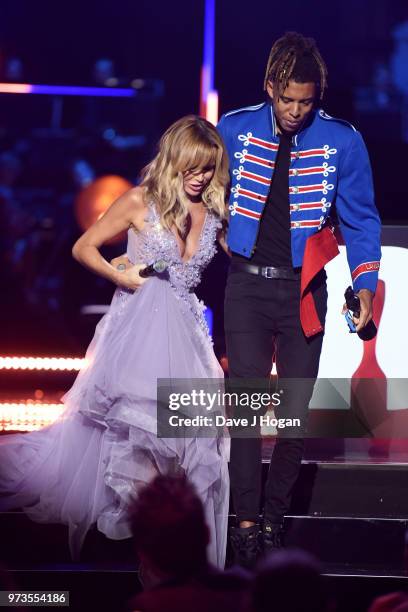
(266, 271)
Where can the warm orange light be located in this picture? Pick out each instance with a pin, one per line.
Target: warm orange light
(211, 111)
(95, 199)
(15, 88)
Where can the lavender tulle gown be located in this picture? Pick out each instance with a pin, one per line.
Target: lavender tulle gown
(89, 465)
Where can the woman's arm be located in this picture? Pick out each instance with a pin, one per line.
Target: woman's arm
(126, 210)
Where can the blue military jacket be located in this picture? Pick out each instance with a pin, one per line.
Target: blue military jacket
(329, 165)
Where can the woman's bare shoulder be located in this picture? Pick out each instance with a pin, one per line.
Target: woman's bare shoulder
(137, 197)
(137, 205)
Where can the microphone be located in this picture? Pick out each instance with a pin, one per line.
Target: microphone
(157, 267)
(353, 303)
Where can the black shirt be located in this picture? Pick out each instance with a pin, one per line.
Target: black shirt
(273, 246)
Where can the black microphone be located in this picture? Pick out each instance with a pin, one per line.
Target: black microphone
(353, 303)
(157, 267)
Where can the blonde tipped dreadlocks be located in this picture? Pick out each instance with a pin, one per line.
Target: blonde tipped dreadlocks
(285, 62)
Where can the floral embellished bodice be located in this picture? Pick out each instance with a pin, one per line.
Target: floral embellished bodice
(155, 242)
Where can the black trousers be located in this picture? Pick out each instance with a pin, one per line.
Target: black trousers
(262, 321)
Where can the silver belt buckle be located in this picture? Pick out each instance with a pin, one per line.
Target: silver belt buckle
(267, 272)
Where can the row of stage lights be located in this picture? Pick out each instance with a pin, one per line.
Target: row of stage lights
(27, 416)
(41, 363)
(33, 414)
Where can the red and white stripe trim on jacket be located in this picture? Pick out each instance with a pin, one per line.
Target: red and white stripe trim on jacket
(244, 156)
(253, 195)
(324, 187)
(322, 205)
(325, 170)
(263, 143)
(368, 266)
(259, 142)
(241, 173)
(241, 210)
(306, 224)
(325, 152)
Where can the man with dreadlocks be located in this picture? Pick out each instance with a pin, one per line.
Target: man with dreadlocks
(290, 163)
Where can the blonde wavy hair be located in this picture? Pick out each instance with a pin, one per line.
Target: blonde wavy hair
(189, 144)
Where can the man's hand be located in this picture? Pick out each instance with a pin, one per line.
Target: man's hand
(366, 308)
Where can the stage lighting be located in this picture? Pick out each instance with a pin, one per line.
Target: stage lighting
(94, 200)
(41, 363)
(28, 415)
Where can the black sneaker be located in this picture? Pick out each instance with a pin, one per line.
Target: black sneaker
(246, 545)
(272, 535)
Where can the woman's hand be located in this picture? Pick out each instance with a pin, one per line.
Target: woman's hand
(130, 278)
(128, 273)
(119, 262)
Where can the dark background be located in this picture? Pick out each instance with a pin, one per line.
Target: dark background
(58, 43)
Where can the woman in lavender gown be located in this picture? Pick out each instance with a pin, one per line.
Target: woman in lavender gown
(88, 466)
